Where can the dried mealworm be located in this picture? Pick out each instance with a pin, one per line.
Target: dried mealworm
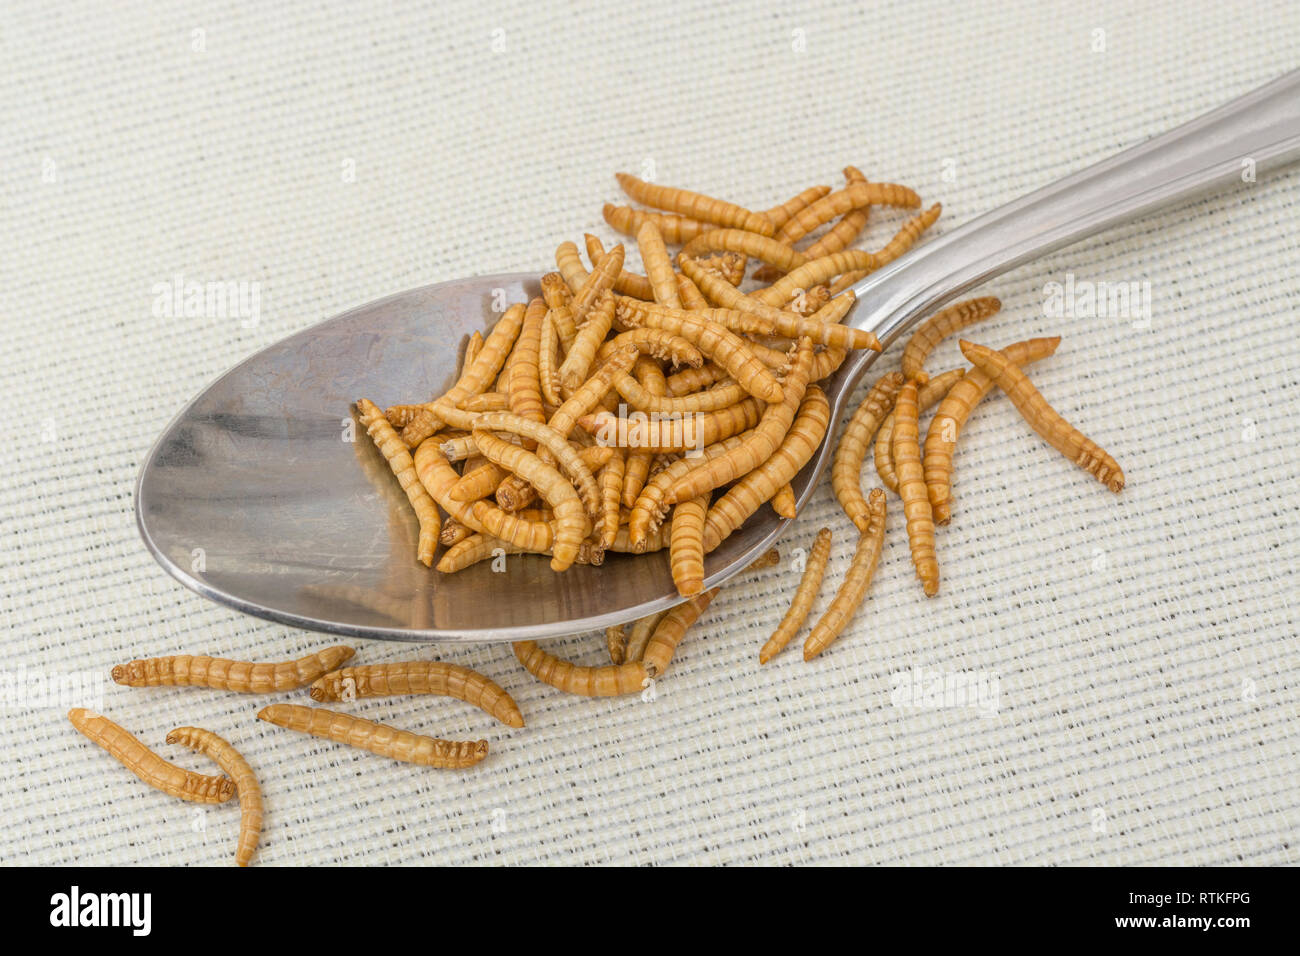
(577, 364)
(658, 267)
(563, 453)
(558, 299)
(655, 343)
(809, 584)
(640, 397)
(727, 266)
(472, 347)
(762, 442)
(523, 379)
(1044, 419)
(843, 233)
(856, 581)
(783, 502)
(650, 378)
(236, 767)
(399, 460)
(419, 677)
(377, 738)
(908, 234)
(940, 325)
(570, 516)
(911, 488)
(651, 504)
(846, 472)
(815, 272)
(752, 245)
(399, 416)
(608, 681)
(758, 486)
(471, 550)
(718, 342)
(670, 631)
(686, 545)
(513, 530)
(639, 636)
(693, 379)
(769, 559)
(474, 380)
(147, 765)
(674, 229)
(780, 215)
(611, 496)
(477, 482)
(928, 396)
(569, 261)
(676, 434)
(548, 363)
(453, 532)
(597, 284)
(185, 670)
(697, 206)
(616, 642)
(628, 283)
(487, 402)
(853, 196)
(951, 416)
(692, 297)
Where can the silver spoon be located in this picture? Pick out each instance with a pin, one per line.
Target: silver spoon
(255, 497)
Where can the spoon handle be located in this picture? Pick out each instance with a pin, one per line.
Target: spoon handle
(1229, 145)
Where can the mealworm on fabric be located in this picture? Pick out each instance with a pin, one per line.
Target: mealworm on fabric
(748, 244)
(639, 636)
(419, 677)
(377, 738)
(233, 763)
(399, 460)
(1050, 425)
(695, 205)
(675, 229)
(940, 325)
(686, 545)
(854, 587)
(843, 233)
(628, 283)
(481, 373)
(853, 196)
(846, 471)
(928, 395)
(780, 215)
(669, 632)
(610, 680)
(758, 486)
(148, 766)
(186, 670)
(769, 559)
(911, 488)
(616, 643)
(809, 584)
(951, 416)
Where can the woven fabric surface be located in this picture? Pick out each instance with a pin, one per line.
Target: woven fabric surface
(1139, 650)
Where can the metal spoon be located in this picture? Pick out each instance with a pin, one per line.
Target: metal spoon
(262, 495)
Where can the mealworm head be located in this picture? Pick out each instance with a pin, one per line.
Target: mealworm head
(119, 674)
(317, 693)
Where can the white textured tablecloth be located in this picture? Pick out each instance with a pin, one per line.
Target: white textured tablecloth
(1144, 645)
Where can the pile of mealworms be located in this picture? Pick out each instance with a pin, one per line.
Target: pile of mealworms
(710, 395)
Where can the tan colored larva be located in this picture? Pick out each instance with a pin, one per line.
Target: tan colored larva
(678, 434)
(674, 229)
(856, 581)
(696, 206)
(711, 400)
(780, 215)
(943, 323)
(472, 347)
(783, 502)
(692, 297)
(453, 532)
(686, 545)
(513, 529)
(690, 380)
(478, 482)
(148, 766)
(728, 266)
(638, 636)
(651, 505)
(906, 236)
(233, 763)
(762, 442)
(911, 488)
(569, 261)
(815, 272)
(562, 452)
(757, 487)
(836, 204)
(471, 550)
(658, 267)
(718, 342)
(475, 379)
(928, 396)
(599, 282)
(377, 738)
(749, 244)
(653, 343)
(846, 472)
(650, 377)
(244, 677)
(399, 416)
(487, 402)
(628, 283)
(419, 677)
(523, 379)
(843, 233)
(608, 681)
(1044, 419)
(577, 363)
(398, 457)
(570, 515)
(558, 298)
(809, 584)
(950, 418)
(610, 480)
(616, 643)
(768, 559)
(548, 364)
(669, 632)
